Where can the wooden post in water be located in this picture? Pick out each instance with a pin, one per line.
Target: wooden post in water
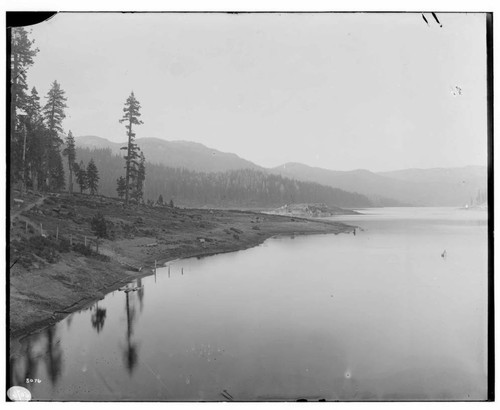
(85, 240)
(71, 239)
(26, 228)
(168, 270)
(41, 230)
(57, 232)
(182, 271)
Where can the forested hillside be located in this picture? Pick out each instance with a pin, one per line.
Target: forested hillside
(237, 188)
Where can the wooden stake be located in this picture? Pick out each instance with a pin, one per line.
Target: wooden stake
(26, 228)
(57, 232)
(85, 240)
(41, 230)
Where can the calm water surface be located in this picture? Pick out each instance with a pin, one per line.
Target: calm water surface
(379, 315)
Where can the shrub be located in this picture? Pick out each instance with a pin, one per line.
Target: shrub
(84, 250)
(64, 245)
(98, 225)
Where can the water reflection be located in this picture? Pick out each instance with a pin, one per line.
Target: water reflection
(131, 349)
(54, 356)
(20, 369)
(140, 293)
(69, 320)
(98, 317)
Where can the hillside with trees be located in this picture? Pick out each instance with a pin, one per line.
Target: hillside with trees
(243, 188)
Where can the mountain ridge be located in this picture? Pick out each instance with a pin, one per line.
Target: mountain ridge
(181, 154)
(419, 187)
(404, 187)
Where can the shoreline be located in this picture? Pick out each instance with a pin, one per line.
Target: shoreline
(87, 281)
(59, 315)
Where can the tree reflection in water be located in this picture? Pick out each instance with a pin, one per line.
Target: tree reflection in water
(20, 369)
(131, 349)
(98, 317)
(140, 293)
(54, 356)
(69, 320)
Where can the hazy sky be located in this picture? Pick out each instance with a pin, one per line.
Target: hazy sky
(339, 91)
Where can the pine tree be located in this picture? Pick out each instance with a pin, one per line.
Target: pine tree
(36, 141)
(21, 58)
(99, 228)
(160, 200)
(57, 180)
(139, 178)
(81, 176)
(54, 115)
(121, 187)
(130, 117)
(54, 111)
(92, 177)
(70, 152)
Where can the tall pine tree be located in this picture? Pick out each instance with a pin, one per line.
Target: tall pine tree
(140, 177)
(92, 177)
(54, 115)
(36, 141)
(130, 117)
(56, 172)
(81, 176)
(21, 58)
(70, 152)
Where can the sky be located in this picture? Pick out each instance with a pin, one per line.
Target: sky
(339, 91)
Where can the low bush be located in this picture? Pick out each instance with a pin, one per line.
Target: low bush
(82, 249)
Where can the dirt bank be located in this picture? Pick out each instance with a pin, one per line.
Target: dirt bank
(54, 274)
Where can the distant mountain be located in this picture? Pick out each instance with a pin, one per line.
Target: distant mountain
(444, 186)
(469, 174)
(379, 189)
(176, 154)
(419, 187)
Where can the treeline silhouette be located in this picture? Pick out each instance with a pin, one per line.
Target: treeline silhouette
(243, 188)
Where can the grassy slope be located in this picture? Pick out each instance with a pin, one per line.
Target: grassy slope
(42, 292)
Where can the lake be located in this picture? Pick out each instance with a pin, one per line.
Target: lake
(385, 314)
